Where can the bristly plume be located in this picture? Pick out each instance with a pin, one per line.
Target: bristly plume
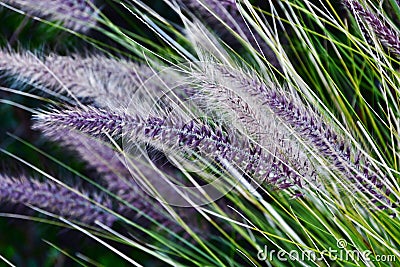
(76, 15)
(310, 127)
(108, 81)
(388, 36)
(228, 101)
(55, 199)
(171, 133)
(229, 13)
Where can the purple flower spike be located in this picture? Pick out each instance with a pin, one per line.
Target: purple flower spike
(90, 120)
(77, 15)
(388, 36)
(107, 81)
(171, 133)
(56, 199)
(311, 127)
